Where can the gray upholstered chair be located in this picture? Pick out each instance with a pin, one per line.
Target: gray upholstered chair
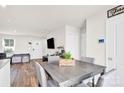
(89, 84)
(105, 79)
(41, 76)
(100, 82)
(87, 59)
(53, 59)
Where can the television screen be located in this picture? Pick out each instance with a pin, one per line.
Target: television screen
(50, 43)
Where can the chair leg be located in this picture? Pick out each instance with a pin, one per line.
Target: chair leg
(39, 85)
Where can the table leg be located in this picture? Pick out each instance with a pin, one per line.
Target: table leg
(93, 81)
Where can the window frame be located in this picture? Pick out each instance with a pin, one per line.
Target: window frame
(5, 47)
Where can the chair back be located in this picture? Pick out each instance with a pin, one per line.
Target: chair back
(41, 76)
(53, 59)
(88, 59)
(100, 82)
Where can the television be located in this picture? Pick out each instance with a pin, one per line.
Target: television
(50, 43)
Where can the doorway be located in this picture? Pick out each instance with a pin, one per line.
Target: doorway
(115, 47)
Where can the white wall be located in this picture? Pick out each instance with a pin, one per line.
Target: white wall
(59, 40)
(83, 44)
(68, 37)
(22, 46)
(1, 48)
(96, 25)
(72, 41)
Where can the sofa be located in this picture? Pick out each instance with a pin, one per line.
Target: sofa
(2, 55)
(20, 58)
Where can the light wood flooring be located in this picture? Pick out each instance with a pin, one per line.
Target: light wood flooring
(23, 75)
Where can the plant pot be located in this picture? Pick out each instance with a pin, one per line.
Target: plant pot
(67, 62)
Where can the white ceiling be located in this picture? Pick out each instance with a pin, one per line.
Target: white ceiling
(37, 20)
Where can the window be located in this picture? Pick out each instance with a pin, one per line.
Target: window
(8, 45)
(8, 42)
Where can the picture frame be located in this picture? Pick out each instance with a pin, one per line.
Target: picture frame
(115, 11)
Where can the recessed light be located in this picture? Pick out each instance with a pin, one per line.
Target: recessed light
(14, 31)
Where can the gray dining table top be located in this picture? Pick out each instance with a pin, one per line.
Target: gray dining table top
(68, 76)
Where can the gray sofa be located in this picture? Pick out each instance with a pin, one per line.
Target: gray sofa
(20, 58)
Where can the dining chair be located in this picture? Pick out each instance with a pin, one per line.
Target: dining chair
(41, 76)
(105, 79)
(53, 59)
(89, 84)
(88, 59)
(100, 82)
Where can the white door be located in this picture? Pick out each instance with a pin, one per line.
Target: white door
(120, 52)
(115, 47)
(110, 45)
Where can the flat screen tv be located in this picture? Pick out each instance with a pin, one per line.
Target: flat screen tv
(50, 43)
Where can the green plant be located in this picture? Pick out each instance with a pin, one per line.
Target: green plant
(67, 55)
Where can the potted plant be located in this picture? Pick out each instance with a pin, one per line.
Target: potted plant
(67, 60)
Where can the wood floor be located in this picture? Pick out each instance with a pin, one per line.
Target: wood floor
(23, 75)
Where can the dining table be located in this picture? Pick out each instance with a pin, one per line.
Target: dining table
(67, 76)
